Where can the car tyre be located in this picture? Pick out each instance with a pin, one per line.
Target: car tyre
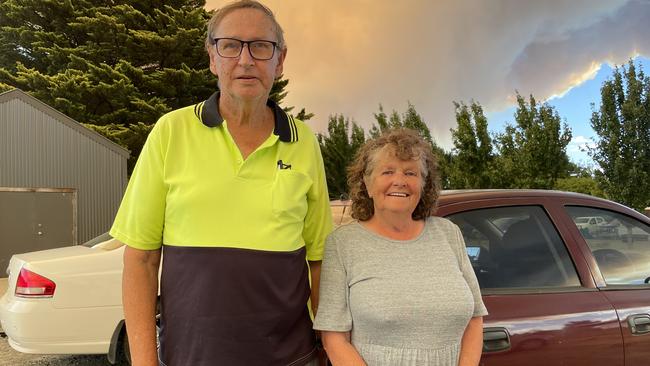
(124, 350)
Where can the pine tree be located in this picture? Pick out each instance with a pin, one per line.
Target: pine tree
(382, 123)
(104, 62)
(622, 123)
(532, 152)
(472, 162)
(339, 148)
(410, 119)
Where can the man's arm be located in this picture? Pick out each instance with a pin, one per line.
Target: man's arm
(139, 296)
(314, 269)
(472, 343)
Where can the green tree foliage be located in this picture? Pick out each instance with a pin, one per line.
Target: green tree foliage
(383, 124)
(131, 137)
(410, 119)
(471, 165)
(304, 115)
(338, 148)
(586, 185)
(622, 123)
(104, 62)
(4, 87)
(532, 152)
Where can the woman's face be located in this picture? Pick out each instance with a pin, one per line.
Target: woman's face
(395, 185)
(245, 78)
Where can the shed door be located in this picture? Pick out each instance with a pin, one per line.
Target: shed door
(35, 220)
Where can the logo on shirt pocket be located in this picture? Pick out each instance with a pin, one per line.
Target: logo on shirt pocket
(290, 194)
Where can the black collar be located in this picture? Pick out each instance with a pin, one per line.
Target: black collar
(285, 127)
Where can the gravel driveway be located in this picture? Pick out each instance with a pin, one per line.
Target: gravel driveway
(9, 357)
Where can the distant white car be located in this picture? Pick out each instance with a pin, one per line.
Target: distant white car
(67, 301)
(584, 222)
(595, 225)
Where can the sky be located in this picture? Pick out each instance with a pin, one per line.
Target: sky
(348, 56)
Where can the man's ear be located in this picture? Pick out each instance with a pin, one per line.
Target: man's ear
(213, 61)
(279, 68)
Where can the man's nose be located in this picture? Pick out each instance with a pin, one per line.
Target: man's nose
(245, 57)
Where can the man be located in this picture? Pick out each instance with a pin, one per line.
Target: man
(233, 191)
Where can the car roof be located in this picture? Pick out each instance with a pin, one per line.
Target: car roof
(453, 196)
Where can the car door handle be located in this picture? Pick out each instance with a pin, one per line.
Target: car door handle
(639, 324)
(495, 339)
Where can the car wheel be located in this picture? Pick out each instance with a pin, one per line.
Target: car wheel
(124, 355)
(126, 350)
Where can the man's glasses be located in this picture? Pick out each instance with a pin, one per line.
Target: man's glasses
(231, 48)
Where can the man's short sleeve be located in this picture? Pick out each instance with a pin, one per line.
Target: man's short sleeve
(140, 218)
(318, 221)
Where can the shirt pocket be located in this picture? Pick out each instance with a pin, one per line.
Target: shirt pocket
(290, 195)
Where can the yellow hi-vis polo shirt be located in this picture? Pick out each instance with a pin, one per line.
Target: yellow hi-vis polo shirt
(235, 235)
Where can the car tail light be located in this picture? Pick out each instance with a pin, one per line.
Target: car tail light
(30, 284)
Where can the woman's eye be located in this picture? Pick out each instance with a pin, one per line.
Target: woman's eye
(411, 174)
(387, 172)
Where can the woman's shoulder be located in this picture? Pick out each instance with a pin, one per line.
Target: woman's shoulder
(346, 230)
(440, 222)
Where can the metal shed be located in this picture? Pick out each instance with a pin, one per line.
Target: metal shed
(59, 167)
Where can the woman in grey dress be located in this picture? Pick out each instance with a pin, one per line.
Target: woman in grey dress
(397, 287)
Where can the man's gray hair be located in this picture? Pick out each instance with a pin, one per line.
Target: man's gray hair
(221, 13)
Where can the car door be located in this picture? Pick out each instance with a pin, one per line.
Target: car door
(621, 258)
(544, 307)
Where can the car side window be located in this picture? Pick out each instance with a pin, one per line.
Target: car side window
(620, 244)
(515, 247)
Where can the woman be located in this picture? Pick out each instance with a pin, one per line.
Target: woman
(233, 190)
(397, 287)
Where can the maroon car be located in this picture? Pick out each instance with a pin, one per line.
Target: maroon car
(558, 292)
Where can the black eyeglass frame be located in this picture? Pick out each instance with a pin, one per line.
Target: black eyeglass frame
(248, 44)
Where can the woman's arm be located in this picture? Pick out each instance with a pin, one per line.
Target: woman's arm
(314, 269)
(339, 349)
(472, 343)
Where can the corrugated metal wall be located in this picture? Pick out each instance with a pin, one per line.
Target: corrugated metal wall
(40, 148)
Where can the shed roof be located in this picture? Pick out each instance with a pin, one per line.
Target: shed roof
(62, 118)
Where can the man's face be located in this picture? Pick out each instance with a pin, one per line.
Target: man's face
(245, 78)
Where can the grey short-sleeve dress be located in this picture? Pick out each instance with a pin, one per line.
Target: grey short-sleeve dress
(406, 302)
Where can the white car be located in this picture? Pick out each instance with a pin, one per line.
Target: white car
(67, 301)
(595, 226)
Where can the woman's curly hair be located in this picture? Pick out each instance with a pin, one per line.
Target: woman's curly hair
(405, 144)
